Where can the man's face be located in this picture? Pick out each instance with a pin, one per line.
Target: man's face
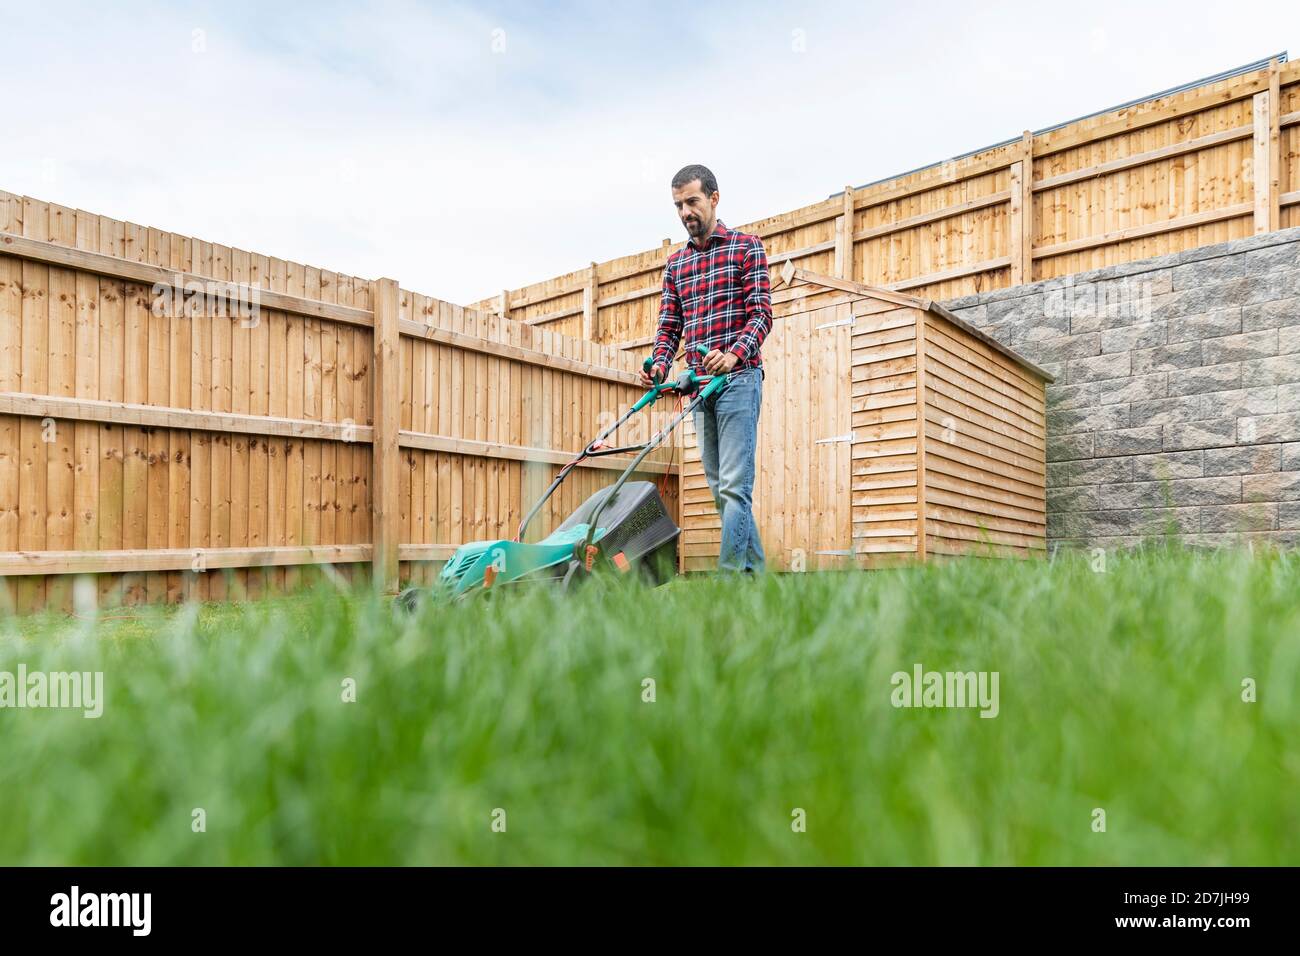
(695, 208)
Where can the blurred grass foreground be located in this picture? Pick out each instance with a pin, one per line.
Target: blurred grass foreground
(1146, 713)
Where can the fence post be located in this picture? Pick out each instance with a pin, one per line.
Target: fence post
(387, 379)
(1014, 215)
(1267, 157)
(844, 237)
(1275, 144)
(1020, 215)
(590, 326)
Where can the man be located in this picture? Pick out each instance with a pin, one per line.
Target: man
(716, 293)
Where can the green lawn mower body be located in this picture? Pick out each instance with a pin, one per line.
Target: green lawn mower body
(636, 534)
(625, 527)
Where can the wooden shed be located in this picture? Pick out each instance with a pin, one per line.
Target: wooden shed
(853, 469)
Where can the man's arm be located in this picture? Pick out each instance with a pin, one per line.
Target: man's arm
(758, 303)
(670, 326)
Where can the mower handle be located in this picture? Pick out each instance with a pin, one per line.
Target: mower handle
(649, 362)
(716, 384)
(651, 395)
(657, 388)
(585, 549)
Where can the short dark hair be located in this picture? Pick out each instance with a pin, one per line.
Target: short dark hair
(688, 174)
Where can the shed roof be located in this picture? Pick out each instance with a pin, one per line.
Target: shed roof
(790, 275)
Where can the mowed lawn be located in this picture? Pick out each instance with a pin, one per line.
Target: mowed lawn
(1119, 690)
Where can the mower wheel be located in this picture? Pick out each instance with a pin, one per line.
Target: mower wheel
(410, 599)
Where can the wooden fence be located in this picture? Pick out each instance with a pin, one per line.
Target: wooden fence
(351, 421)
(1203, 165)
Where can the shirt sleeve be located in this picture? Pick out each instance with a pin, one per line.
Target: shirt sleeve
(758, 303)
(670, 324)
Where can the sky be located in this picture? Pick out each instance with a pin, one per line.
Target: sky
(463, 148)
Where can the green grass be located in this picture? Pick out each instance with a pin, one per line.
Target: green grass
(1118, 690)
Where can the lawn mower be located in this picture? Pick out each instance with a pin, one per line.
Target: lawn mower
(624, 526)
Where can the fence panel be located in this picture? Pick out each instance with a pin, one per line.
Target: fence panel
(156, 427)
(1170, 173)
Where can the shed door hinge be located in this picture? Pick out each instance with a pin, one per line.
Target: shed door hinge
(836, 438)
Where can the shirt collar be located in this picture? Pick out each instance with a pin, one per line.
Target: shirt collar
(720, 231)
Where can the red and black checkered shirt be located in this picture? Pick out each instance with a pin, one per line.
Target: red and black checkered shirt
(719, 297)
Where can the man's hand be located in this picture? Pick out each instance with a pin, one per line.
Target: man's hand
(646, 380)
(720, 363)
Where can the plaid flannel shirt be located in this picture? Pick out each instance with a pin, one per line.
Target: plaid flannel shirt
(718, 296)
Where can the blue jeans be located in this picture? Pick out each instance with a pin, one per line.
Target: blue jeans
(727, 428)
